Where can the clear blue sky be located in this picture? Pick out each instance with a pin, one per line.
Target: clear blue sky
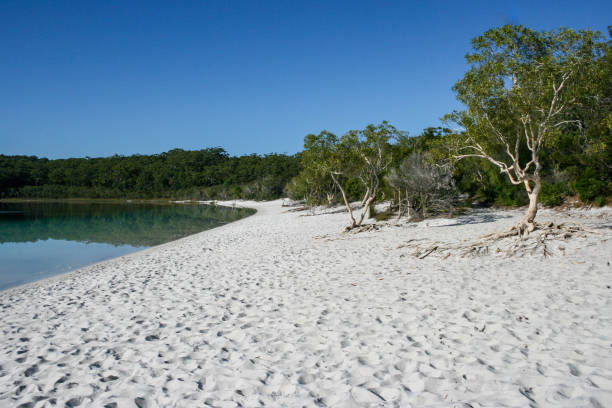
(95, 78)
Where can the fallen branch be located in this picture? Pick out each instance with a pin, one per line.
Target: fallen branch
(427, 252)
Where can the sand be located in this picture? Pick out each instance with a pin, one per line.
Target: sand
(281, 309)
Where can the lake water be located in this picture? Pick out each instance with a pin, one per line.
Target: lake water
(41, 239)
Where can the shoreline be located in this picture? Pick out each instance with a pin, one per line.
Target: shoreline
(282, 309)
(101, 263)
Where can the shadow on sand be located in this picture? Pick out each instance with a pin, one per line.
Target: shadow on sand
(477, 218)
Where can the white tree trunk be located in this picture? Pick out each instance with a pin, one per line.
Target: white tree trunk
(346, 203)
(365, 197)
(532, 210)
(399, 204)
(408, 206)
(365, 210)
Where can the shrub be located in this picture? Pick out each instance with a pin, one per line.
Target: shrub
(590, 187)
(553, 194)
(427, 188)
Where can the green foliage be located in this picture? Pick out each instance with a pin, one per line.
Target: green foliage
(203, 174)
(590, 187)
(510, 85)
(314, 183)
(357, 162)
(553, 194)
(535, 101)
(432, 140)
(382, 216)
(297, 188)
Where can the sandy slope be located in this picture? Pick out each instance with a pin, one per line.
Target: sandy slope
(280, 309)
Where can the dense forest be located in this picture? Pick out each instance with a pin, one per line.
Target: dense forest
(537, 127)
(202, 174)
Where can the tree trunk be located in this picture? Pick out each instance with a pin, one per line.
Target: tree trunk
(348, 206)
(399, 204)
(533, 202)
(408, 207)
(423, 207)
(365, 210)
(534, 193)
(365, 197)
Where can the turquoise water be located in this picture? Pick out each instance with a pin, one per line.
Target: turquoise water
(42, 239)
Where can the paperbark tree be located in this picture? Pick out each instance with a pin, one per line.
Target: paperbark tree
(360, 155)
(328, 156)
(520, 92)
(369, 156)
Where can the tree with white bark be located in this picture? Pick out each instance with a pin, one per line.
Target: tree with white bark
(520, 93)
(360, 156)
(368, 156)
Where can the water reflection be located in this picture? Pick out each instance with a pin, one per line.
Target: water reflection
(117, 224)
(41, 239)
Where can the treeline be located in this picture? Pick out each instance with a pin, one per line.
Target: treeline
(202, 174)
(537, 127)
(575, 168)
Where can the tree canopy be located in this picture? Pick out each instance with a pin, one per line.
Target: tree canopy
(202, 174)
(523, 91)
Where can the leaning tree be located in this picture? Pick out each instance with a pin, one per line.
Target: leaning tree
(359, 156)
(368, 155)
(522, 90)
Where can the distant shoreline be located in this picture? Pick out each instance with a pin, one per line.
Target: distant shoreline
(93, 200)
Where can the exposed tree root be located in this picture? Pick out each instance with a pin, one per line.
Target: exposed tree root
(361, 228)
(529, 240)
(523, 229)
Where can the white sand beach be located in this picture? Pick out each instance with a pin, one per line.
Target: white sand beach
(282, 309)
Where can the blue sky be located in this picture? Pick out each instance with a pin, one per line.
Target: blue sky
(95, 78)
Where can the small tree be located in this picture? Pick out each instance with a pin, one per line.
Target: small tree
(327, 156)
(359, 155)
(520, 93)
(312, 186)
(368, 155)
(319, 159)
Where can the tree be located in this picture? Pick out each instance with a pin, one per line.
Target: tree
(370, 153)
(319, 159)
(360, 156)
(521, 93)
